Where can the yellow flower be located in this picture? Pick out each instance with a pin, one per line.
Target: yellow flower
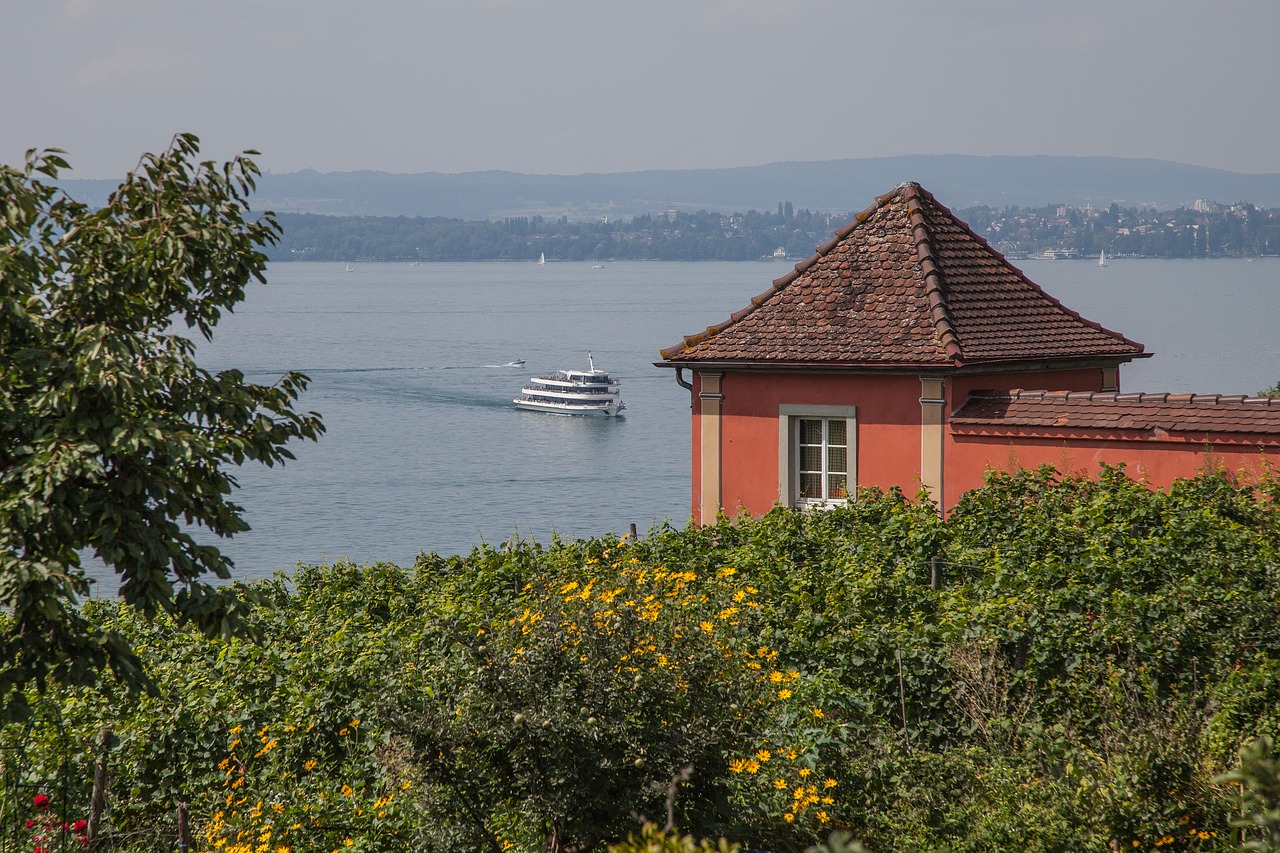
(310, 765)
(763, 754)
(804, 771)
(726, 572)
(817, 712)
(707, 627)
(737, 765)
(822, 817)
(789, 817)
(784, 693)
(752, 765)
(775, 677)
(829, 783)
(780, 784)
(355, 724)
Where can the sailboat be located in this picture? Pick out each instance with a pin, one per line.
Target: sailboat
(348, 269)
(1102, 258)
(542, 258)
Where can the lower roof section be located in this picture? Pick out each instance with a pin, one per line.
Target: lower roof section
(1187, 416)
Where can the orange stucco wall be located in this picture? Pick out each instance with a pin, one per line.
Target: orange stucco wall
(1158, 461)
(888, 425)
(888, 430)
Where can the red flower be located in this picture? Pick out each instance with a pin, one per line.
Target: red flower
(79, 826)
(31, 824)
(40, 801)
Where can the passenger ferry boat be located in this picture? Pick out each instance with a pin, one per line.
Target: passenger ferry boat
(573, 392)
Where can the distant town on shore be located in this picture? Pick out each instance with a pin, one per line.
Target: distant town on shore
(1025, 206)
(1207, 229)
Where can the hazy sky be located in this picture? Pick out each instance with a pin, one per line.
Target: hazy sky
(573, 86)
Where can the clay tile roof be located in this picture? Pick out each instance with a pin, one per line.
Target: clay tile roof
(904, 284)
(1191, 415)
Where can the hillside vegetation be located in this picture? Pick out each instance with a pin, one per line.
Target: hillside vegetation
(1240, 230)
(1064, 663)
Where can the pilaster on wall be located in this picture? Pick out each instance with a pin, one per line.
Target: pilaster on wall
(710, 396)
(933, 401)
(1111, 378)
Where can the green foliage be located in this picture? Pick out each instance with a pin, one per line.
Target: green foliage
(651, 839)
(113, 442)
(1092, 657)
(610, 687)
(1258, 776)
(838, 842)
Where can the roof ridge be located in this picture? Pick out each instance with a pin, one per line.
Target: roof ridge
(935, 283)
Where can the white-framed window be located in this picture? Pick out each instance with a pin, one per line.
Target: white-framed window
(817, 455)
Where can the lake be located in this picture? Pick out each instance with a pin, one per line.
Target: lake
(425, 451)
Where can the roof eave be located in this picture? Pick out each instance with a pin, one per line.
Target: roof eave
(1027, 365)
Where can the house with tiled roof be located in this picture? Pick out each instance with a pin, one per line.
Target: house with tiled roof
(897, 355)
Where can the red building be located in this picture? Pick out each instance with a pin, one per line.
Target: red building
(894, 357)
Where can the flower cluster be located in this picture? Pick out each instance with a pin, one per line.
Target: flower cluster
(668, 615)
(48, 832)
(322, 805)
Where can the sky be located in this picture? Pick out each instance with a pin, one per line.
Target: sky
(578, 86)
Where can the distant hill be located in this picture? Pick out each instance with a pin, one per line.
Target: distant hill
(957, 181)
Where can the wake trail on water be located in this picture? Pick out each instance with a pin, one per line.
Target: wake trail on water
(331, 370)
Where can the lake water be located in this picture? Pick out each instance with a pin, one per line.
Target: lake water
(425, 451)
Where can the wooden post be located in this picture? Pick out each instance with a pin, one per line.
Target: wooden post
(98, 803)
(935, 573)
(184, 830)
(902, 698)
(633, 531)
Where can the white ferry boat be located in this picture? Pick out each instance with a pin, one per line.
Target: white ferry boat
(573, 392)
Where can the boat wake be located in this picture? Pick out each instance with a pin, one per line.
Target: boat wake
(318, 371)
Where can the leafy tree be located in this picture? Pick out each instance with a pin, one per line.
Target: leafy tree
(113, 442)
